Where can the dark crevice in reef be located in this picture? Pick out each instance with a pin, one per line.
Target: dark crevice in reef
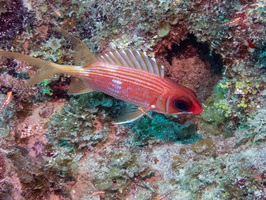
(181, 50)
(192, 64)
(59, 88)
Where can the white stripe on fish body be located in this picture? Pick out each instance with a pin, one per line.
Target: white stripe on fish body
(114, 87)
(145, 78)
(134, 81)
(116, 81)
(137, 99)
(123, 94)
(113, 91)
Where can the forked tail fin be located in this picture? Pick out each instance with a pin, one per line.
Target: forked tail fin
(82, 56)
(45, 68)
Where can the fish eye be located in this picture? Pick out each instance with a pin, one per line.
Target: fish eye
(182, 104)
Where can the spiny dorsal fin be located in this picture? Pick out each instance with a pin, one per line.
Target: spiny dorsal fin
(133, 59)
(82, 54)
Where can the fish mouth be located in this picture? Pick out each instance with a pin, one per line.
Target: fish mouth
(183, 113)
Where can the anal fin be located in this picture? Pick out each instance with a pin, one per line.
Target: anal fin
(79, 86)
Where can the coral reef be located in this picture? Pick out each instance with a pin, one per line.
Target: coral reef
(57, 146)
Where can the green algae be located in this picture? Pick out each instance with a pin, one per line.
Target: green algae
(204, 147)
(164, 128)
(95, 99)
(74, 124)
(45, 89)
(163, 29)
(217, 109)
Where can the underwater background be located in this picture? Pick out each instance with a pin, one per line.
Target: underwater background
(57, 146)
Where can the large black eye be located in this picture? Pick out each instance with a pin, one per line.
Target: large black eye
(182, 104)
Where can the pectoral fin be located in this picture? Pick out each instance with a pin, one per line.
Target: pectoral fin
(130, 114)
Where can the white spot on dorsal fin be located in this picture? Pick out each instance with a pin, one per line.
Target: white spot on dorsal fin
(133, 59)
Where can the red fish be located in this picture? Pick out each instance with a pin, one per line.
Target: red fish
(238, 19)
(127, 75)
(7, 101)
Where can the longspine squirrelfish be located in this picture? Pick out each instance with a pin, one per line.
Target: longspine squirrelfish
(127, 75)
